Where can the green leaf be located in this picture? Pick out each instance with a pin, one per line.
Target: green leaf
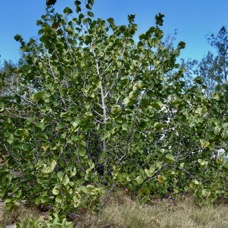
(181, 45)
(225, 167)
(157, 105)
(82, 152)
(116, 109)
(225, 126)
(22, 132)
(203, 162)
(75, 138)
(204, 143)
(76, 122)
(169, 159)
(139, 180)
(125, 126)
(10, 139)
(91, 2)
(18, 37)
(38, 96)
(55, 190)
(77, 2)
(50, 2)
(90, 14)
(60, 175)
(133, 94)
(131, 18)
(201, 110)
(58, 199)
(196, 182)
(225, 134)
(159, 19)
(39, 22)
(41, 125)
(48, 168)
(67, 10)
(66, 180)
(76, 201)
(217, 130)
(160, 179)
(158, 126)
(206, 192)
(88, 6)
(198, 80)
(44, 199)
(150, 172)
(105, 135)
(127, 101)
(182, 165)
(73, 172)
(110, 20)
(2, 107)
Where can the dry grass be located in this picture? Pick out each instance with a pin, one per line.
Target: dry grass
(119, 211)
(19, 213)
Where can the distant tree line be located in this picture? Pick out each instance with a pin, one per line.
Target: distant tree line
(213, 68)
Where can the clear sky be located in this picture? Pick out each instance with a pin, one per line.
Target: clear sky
(192, 19)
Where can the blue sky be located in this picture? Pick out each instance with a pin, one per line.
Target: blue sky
(192, 19)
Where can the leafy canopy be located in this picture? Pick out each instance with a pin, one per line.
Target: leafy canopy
(95, 109)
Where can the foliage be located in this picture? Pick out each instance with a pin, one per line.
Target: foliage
(94, 108)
